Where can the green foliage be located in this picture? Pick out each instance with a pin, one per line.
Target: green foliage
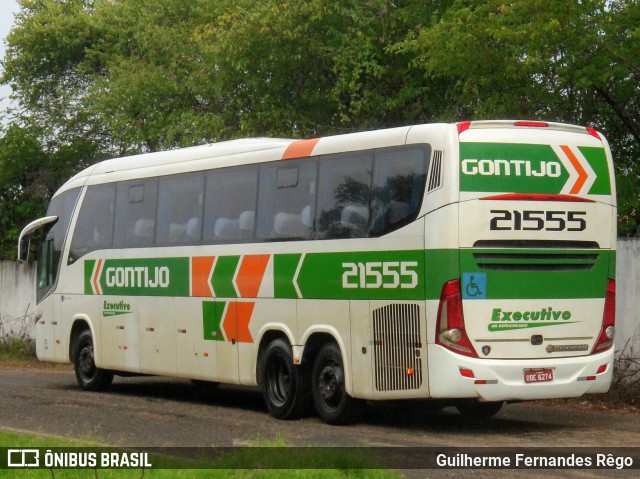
(115, 77)
(23, 189)
(29, 175)
(17, 351)
(574, 62)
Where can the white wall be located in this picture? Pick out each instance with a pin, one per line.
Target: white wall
(628, 295)
(17, 300)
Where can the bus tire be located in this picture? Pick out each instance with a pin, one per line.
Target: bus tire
(89, 377)
(333, 404)
(285, 387)
(474, 409)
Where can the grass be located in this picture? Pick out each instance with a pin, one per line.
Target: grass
(229, 465)
(19, 353)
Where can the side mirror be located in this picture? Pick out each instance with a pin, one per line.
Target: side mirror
(23, 248)
(25, 235)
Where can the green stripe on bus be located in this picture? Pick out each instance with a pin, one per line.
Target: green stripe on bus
(561, 274)
(525, 168)
(142, 276)
(284, 269)
(517, 168)
(598, 161)
(397, 275)
(377, 275)
(88, 271)
(212, 319)
(442, 265)
(222, 279)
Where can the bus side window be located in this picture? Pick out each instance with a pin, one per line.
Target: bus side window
(180, 201)
(344, 191)
(398, 187)
(94, 228)
(230, 205)
(135, 213)
(287, 200)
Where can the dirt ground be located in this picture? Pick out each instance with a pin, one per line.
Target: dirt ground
(160, 412)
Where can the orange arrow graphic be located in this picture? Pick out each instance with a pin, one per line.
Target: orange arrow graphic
(200, 272)
(250, 274)
(96, 278)
(582, 174)
(236, 322)
(243, 318)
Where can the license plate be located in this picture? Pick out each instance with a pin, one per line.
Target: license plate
(538, 375)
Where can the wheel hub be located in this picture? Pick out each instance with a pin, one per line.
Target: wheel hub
(280, 382)
(85, 360)
(330, 385)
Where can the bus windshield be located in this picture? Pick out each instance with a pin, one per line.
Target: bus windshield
(50, 251)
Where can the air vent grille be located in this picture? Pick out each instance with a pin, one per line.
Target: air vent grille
(567, 255)
(397, 345)
(435, 173)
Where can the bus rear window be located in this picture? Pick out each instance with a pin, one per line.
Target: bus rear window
(398, 186)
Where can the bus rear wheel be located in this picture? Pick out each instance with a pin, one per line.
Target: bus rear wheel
(89, 377)
(333, 404)
(285, 387)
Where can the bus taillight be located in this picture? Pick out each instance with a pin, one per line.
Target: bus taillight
(451, 332)
(532, 124)
(463, 126)
(608, 330)
(594, 133)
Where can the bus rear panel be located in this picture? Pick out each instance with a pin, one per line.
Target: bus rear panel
(532, 313)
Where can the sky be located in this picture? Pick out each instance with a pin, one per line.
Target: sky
(7, 10)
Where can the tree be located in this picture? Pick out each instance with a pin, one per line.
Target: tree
(573, 62)
(136, 76)
(119, 73)
(128, 76)
(29, 175)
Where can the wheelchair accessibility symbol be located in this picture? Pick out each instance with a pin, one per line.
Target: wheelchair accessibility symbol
(474, 285)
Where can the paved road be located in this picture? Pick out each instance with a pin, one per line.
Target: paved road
(157, 412)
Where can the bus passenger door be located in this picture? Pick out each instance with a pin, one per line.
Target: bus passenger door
(46, 348)
(119, 331)
(361, 349)
(227, 349)
(158, 332)
(197, 335)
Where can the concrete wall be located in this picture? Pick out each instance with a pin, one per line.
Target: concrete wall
(17, 297)
(17, 300)
(628, 296)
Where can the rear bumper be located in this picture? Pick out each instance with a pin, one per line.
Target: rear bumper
(503, 380)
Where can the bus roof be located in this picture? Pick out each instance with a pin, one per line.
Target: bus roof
(211, 150)
(225, 153)
(232, 152)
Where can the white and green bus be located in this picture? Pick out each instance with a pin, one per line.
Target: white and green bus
(469, 263)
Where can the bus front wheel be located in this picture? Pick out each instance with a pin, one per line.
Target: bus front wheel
(333, 404)
(89, 377)
(285, 387)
